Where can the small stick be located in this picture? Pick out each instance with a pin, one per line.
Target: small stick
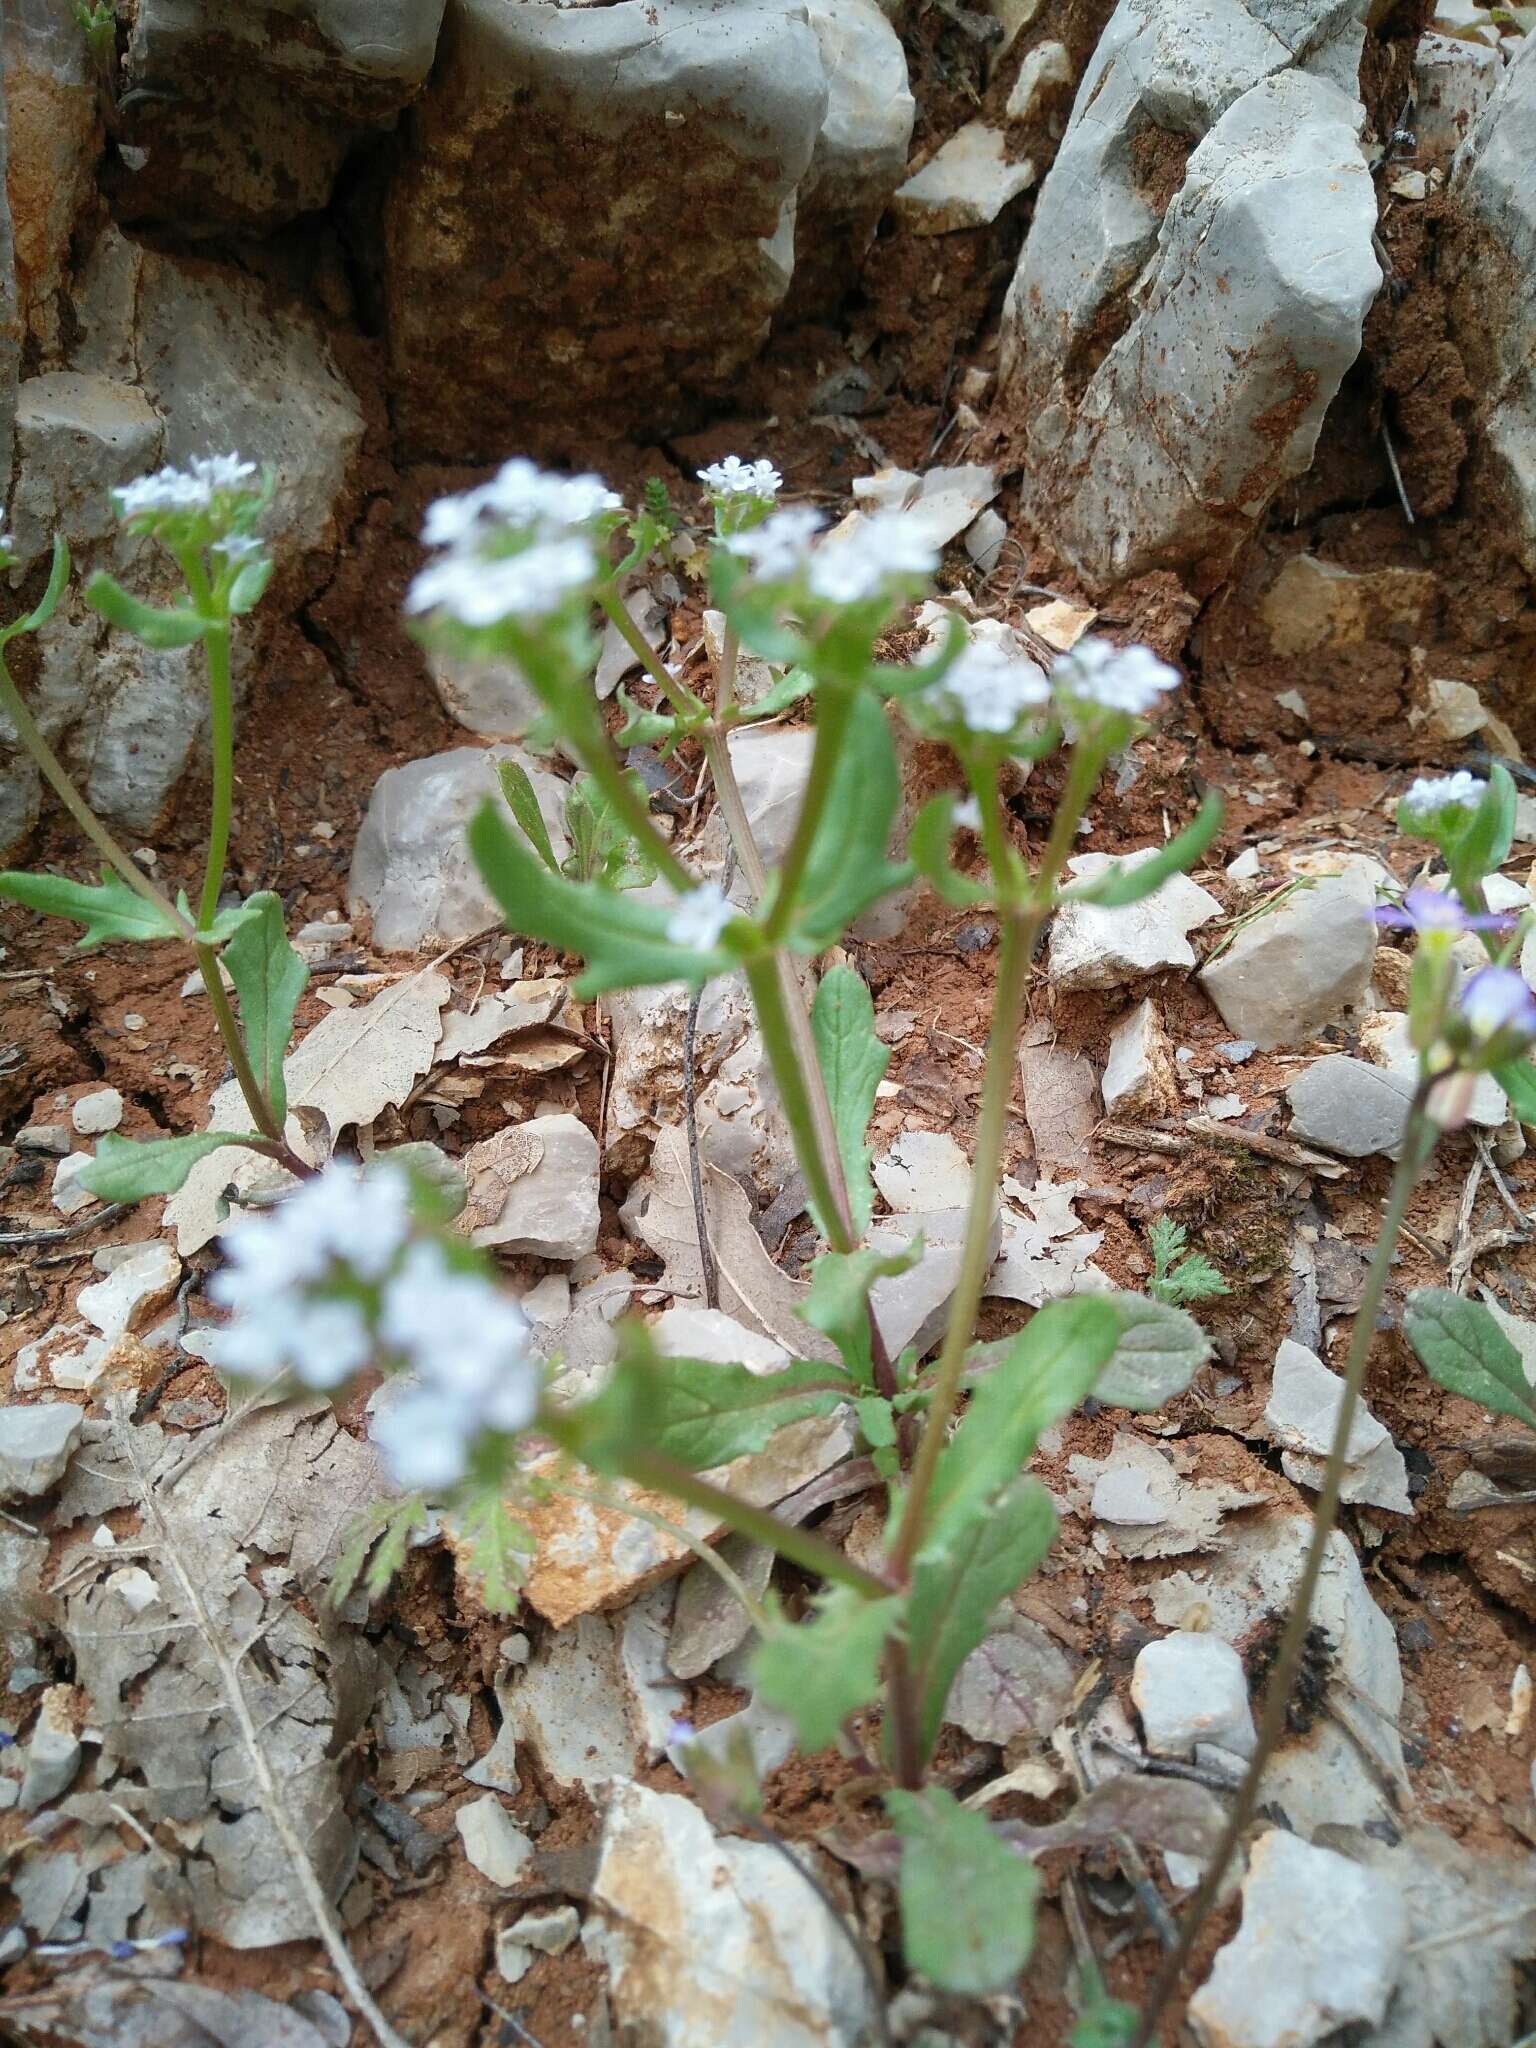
(1397, 474)
(695, 1177)
(65, 1232)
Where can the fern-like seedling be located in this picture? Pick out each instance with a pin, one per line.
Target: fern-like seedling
(1180, 1275)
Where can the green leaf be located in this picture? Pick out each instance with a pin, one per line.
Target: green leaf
(794, 684)
(967, 1899)
(497, 1545)
(642, 728)
(176, 627)
(1042, 1376)
(128, 1169)
(1518, 1080)
(821, 1671)
(838, 1303)
(250, 584)
(602, 847)
(1461, 1347)
(972, 1562)
(928, 846)
(853, 1064)
(376, 1547)
(624, 942)
(269, 978)
(1121, 885)
(517, 788)
(848, 869)
(108, 910)
(1484, 842)
(1158, 1352)
(694, 1411)
(47, 604)
(1179, 1275)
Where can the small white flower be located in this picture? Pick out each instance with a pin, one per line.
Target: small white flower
(480, 590)
(7, 545)
(990, 688)
(700, 917)
(734, 478)
(1432, 793)
(780, 548)
(966, 816)
(425, 1440)
(1125, 679)
(192, 489)
(858, 562)
(522, 494)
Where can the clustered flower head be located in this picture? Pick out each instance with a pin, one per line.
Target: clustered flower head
(1497, 1009)
(1098, 675)
(518, 547)
(212, 497)
(866, 558)
(733, 478)
(988, 688)
(1432, 795)
(335, 1276)
(700, 917)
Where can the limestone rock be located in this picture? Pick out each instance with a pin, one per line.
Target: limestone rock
(547, 164)
(411, 869)
(924, 1170)
(1209, 213)
(35, 1443)
(1093, 947)
(53, 1751)
(1348, 1106)
(1298, 966)
(1384, 1041)
(132, 1290)
(1301, 1415)
(240, 118)
(861, 151)
(1139, 1076)
(1045, 68)
(585, 1710)
(493, 1842)
(101, 1110)
(1493, 296)
(759, 1969)
(52, 144)
(966, 183)
(1320, 1947)
(1453, 80)
(533, 1188)
(1191, 1688)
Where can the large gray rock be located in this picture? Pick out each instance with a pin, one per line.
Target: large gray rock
(173, 360)
(240, 117)
(1194, 284)
(1493, 299)
(1453, 81)
(411, 868)
(1347, 1105)
(1300, 965)
(535, 292)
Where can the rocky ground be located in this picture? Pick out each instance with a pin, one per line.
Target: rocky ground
(1204, 324)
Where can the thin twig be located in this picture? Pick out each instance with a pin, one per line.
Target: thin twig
(1397, 474)
(510, 2019)
(67, 1231)
(1506, 1195)
(695, 1177)
(273, 1804)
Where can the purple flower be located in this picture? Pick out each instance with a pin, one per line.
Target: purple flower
(1495, 1002)
(1436, 910)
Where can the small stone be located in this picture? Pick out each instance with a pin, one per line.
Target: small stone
(1061, 1098)
(966, 183)
(1094, 947)
(1299, 966)
(1139, 1075)
(1320, 1947)
(1347, 1106)
(35, 1443)
(984, 539)
(1045, 66)
(1453, 81)
(924, 1170)
(51, 1139)
(1191, 1688)
(1246, 866)
(493, 1842)
(1303, 1407)
(513, 1958)
(551, 1932)
(68, 1197)
(533, 1188)
(53, 1751)
(132, 1021)
(133, 1290)
(101, 1110)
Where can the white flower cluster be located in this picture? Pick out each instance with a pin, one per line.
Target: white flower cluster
(6, 543)
(700, 917)
(516, 547)
(1126, 679)
(193, 489)
(733, 478)
(331, 1278)
(1432, 793)
(989, 688)
(851, 565)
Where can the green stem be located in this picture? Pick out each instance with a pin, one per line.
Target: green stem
(595, 749)
(834, 710)
(31, 736)
(239, 1059)
(222, 747)
(677, 694)
(1021, 923)
(791, 1050)
(1418, 1144)
(664, 1475)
